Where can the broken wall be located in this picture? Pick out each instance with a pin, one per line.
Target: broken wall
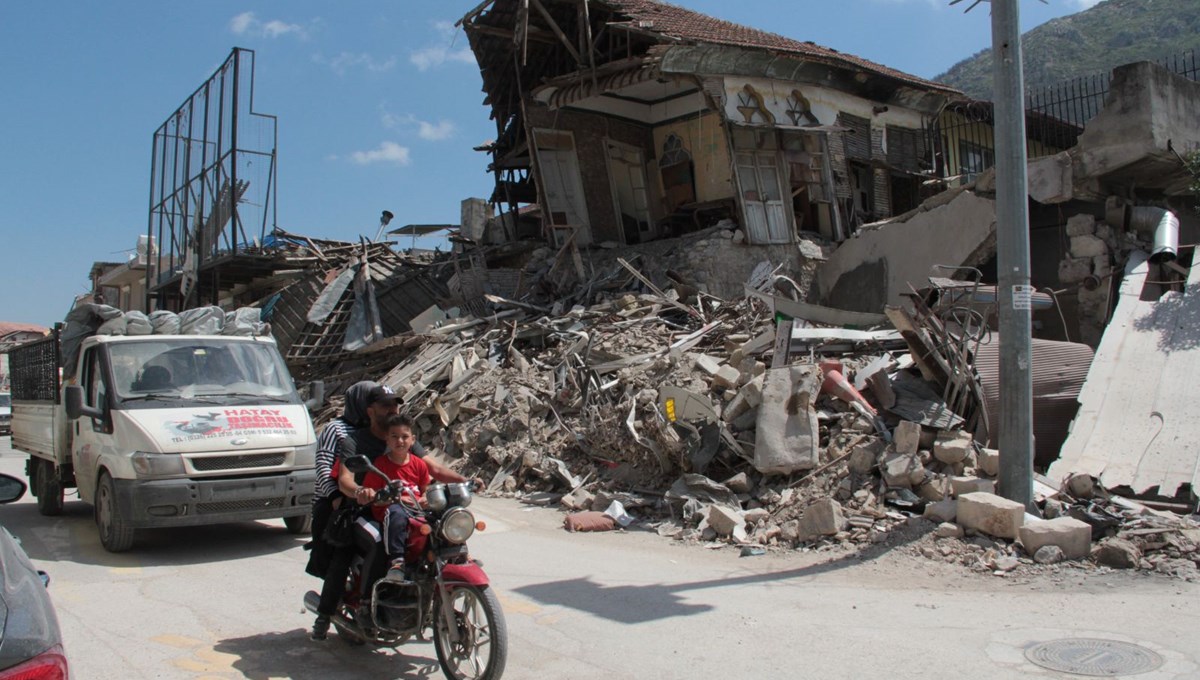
(877, 265)
(704, 138)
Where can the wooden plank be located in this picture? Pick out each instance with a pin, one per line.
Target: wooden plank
(537, 4)
(817, 313)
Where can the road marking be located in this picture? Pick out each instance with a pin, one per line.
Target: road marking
(518, 606)
(179, 641)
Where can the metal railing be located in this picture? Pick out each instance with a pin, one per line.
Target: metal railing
(1054, 118)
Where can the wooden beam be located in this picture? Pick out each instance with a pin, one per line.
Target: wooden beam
(557, 31)
(535, 33)
(474, 13)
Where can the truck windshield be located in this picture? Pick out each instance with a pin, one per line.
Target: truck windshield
(210, 371)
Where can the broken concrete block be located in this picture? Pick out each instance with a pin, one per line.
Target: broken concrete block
(756, 515)
(948, 530)
(1049, 554)
(1081, 225)
(942, 511)
(962, 485)
(989, 462)
(1074, 270)
(1071, 535)
(724, 520)
(990, 514)
(823, 518)
(726, 378)
(787, 433)
(934, 489)
(579, 499)
(1081, 486)
(1088, 246)
(739, 483)
(748, 398)
(907, 437)
(789, 531)
(709, 365)
(1118, 553)
(864, 457)
(1050, 179)
(952, 448)
(902, 470)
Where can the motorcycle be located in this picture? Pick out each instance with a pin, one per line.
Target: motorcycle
(441, 587)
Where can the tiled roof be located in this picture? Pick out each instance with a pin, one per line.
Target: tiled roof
(691, 26)
(7, 327)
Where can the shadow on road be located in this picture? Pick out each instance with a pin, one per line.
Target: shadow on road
(642, 603)
(292, 655)
(72, 537)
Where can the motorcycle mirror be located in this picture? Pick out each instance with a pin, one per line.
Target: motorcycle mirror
(357, 464)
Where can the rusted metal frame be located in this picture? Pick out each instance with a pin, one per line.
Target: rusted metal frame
(537, 4)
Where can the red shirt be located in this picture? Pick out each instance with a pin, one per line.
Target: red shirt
(414, 474)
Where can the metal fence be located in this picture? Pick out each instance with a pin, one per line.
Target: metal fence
(1054, 118)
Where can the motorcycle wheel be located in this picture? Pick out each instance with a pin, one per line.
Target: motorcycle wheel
(482, 648)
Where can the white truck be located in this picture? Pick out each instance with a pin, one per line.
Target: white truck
(165, 431)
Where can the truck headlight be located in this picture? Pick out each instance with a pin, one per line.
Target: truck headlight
(458, 525)
(157, 464)
(306, 456)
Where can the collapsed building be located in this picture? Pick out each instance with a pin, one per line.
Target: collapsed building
(739, 287)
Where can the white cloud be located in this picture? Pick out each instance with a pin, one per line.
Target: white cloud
(248, 24)
(429, 131)
(436, 55)
(1085, 4)
(347, 60)
(388, 152)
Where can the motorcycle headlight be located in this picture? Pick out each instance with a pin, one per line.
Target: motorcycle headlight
(458, 525)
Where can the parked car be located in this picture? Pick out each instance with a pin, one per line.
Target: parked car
(30, 641)
(5, 413)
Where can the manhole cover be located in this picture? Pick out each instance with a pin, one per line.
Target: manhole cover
(1094, 657)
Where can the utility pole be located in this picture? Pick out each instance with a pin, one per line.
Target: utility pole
(1012, 250)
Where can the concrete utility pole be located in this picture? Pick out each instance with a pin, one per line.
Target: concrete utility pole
(1012, 238)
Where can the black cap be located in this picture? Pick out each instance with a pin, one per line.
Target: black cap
(381, 393)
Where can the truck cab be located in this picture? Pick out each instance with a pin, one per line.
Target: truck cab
(174, 430)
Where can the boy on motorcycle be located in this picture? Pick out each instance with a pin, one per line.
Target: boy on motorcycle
(412, 472)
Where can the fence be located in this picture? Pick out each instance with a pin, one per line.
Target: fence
(1054, 118)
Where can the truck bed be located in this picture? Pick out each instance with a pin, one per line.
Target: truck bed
(35, 429)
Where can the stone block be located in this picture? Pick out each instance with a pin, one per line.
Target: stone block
(579, 499)
(1049, 554)
(1071, 535)
(726, 377)
(907, 437)
(1074, 269)
(1081, 225)
(990, 514)
(787, 434)
(902, 470)
(823, 518)
(952, 448)
(1118, 553)
(708, 364)
(1088, 246)
(724, 520)
(941, 511)
(948, 530)
(864, 457)
(965, 484)
(934, 489)
(1050, 179)
(789, 531)
(989, 462)
(739, 483)
(756, 515)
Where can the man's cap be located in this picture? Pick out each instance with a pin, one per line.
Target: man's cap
(381, 393)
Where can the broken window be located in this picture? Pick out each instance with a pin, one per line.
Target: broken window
(862, 185)
(678, 176)
(973, 159)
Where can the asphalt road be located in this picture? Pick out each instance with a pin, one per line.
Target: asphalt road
(225, 602)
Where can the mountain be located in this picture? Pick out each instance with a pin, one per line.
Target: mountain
(1112, 33)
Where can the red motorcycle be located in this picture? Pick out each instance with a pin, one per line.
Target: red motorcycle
(442, 588)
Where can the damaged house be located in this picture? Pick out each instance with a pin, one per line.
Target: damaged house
(626, 121)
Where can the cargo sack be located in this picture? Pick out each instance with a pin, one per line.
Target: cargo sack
(164, 322)
(201, 321)
(137, 323)
(245, 321)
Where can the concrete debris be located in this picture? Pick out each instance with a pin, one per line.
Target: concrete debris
(633, 399)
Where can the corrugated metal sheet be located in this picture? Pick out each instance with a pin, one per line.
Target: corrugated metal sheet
(1138, 415)
(1059, 371)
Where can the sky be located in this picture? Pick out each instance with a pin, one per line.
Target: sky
(378, 103)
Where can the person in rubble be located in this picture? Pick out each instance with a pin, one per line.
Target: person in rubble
(364, 419)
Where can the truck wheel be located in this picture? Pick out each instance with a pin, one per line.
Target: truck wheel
(48, 489)
(298, 524)
(115, 535)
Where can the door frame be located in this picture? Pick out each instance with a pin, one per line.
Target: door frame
(583, 235)
(652, 233)
(781, 182)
